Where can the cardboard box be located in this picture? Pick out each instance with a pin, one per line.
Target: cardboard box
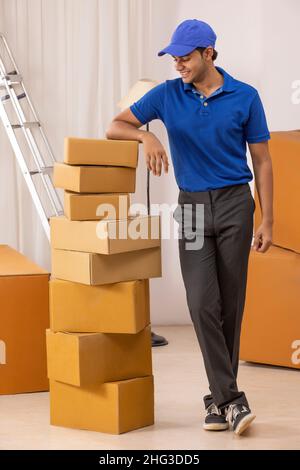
(94, 179)
(122, 307)
(285, 153)
(24, 317)
(113, 407)
(105, 236)
(84, 206)
(101, 152)
(94, 269)
(271, 322)
(84, 359)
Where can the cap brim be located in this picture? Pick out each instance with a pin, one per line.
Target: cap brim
(177, 50)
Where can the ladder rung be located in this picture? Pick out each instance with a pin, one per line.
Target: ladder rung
(20, 97)
(29, 124)
(26, 125)
(42, 171)
(13, 78)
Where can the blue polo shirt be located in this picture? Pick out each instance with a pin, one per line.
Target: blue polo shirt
(207, 136)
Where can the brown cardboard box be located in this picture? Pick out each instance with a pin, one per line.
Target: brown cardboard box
(112, 407)
(101, 152)
(94, 179)
(285, 153)
(24, 317)
(94, 269)
(105, 236)
(122, 307)
(271, 322)
(84, 359)
(84, 206)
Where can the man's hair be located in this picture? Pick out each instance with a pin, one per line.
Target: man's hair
(201, 49)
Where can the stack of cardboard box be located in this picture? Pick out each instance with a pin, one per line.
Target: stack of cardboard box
(271, 324)
(99, 342)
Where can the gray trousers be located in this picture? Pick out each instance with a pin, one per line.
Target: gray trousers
(215, 278)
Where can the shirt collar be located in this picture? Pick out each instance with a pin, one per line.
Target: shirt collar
(228, 85)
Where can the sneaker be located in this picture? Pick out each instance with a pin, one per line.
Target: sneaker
(239, 417)
(215, 419)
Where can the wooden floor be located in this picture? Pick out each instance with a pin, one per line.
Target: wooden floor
(180, 382)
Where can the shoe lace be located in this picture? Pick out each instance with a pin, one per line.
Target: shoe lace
(233, 410)
(213, 409)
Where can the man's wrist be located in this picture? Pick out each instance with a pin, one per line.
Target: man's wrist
(267, 221)
(144, 135)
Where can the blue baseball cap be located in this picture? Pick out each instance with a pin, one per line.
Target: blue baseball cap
(189, 35)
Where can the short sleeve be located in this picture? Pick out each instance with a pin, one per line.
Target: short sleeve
(256, 128)
(151, 105)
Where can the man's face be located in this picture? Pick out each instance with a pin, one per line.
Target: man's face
(191, 66)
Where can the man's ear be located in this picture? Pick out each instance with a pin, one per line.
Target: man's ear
(209, 51)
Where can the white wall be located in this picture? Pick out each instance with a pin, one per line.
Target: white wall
(79, 57)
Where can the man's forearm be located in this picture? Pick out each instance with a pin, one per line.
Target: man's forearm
(264, 184)
(121, 130)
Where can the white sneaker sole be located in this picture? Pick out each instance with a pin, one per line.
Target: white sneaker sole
(215, 426)
(244, 423)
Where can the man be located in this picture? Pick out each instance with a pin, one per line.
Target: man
(209, 117)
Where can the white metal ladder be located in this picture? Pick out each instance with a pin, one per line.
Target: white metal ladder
(28, 140)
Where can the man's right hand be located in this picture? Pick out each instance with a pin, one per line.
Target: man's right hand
(155, 154)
